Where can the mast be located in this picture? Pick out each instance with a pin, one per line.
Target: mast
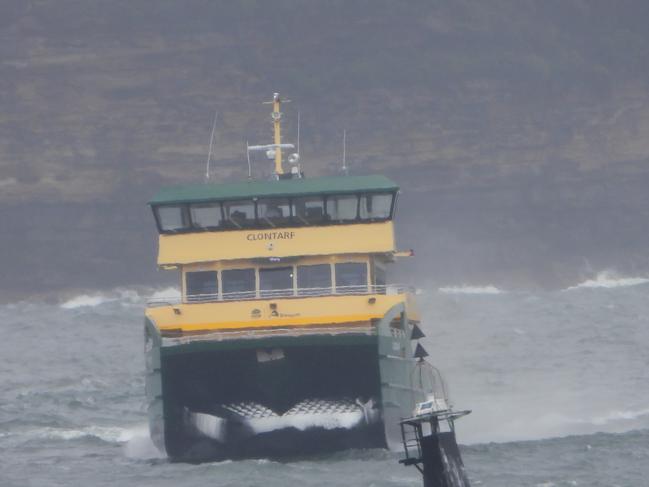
(274, 150)
(277, 130)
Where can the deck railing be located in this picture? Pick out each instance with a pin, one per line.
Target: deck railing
(389, 289)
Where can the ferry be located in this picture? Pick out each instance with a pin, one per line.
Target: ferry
(288, 337)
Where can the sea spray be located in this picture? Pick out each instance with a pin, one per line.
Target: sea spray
(139, 446)
(610, 280)
(121, 295)
(85, 300)
(465, 289)
(537, 365)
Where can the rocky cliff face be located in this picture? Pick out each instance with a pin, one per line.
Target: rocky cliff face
(517, 129)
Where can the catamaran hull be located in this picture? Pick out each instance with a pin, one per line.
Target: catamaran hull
(277, 396)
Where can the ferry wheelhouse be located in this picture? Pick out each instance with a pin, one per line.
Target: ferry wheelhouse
(288, 337)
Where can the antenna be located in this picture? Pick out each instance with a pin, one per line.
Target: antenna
(248, 156)
(345, 168)
(209, 153)
(298, 131)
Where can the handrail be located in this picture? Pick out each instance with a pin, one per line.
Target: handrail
(390, 289)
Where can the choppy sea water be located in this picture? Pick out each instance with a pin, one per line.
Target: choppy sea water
(557, 382)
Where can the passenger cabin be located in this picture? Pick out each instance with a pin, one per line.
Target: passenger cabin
(300, 237)
(288, 239)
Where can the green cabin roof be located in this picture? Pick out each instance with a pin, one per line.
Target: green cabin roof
(284, 187)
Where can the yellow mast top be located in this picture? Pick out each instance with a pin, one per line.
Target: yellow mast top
(277, 117)
(274, 150)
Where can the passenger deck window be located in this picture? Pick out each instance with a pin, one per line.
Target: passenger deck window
(172, 218)
(276, 281)
(379, 278)
(376, 206)
(313, 279)
(351, 277)
(206, 215)
(308, 211)
(342, 208)
(273, 212)
(238, 283)
(240, 214)
(201, 286)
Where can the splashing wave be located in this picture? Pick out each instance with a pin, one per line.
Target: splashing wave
(109, 434)
(85, 300)
(122, 296)
(464, 289)
(609, 280)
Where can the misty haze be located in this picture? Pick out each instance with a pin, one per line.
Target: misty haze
(516, 131)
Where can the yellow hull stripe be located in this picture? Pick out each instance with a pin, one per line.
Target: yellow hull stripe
(275, 322)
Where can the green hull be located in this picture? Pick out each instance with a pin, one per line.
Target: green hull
(189, 380)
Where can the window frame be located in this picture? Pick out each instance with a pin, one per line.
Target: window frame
(253, 294)
(229, 224)
(390, 216)
(330, 288)
(184, 214)
(363, 288)
(206, 203)
(260, 291)
(330, 221)
(378, 267)
(295, 220)
(289, 219)
(188, 297)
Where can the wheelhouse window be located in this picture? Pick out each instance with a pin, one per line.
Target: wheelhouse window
(351, 277)
(308, 211)
(201, 286)
(276, 281)
(342, 208)
(239, 214)
(305, 209)
(273, 212)
(238, 283)
(376, 206)
(206, 215)
(172, 218)
(313, 279)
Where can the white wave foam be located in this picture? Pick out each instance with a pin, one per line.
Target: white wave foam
(464, 289)
(170, 293)
(621, 415)
(609, 280)
(109, 434)
(123, 296)
(85, 300)
(302, 422)
(135, 440)
(215, 427)
(128, 296)
(140, 446)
